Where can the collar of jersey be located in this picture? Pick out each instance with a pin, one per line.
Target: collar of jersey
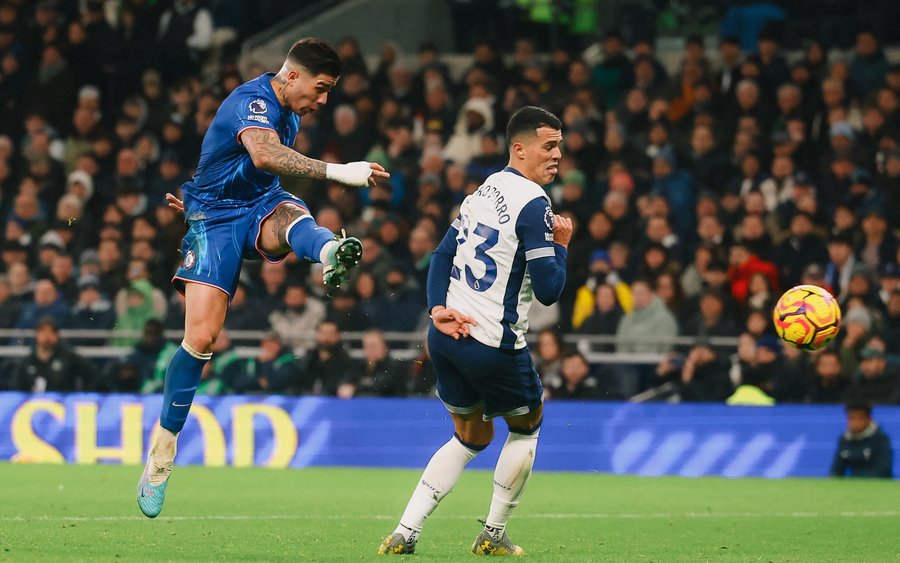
(514, 171)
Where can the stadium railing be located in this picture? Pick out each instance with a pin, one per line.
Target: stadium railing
(404, 345)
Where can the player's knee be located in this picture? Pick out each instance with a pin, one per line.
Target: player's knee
(201, 340)
(476, 437)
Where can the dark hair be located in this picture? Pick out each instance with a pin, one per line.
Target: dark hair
(316, 56)
(857, 404)
(528, 119)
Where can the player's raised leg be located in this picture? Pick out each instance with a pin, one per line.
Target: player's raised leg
(510, 477)
(204, 317)
(472, 435)
(291, 227)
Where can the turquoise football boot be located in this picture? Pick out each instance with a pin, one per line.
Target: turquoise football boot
(151, 497)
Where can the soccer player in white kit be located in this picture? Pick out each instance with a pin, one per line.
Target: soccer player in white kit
(505, 248)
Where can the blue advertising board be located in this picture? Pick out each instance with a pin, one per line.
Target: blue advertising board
(276, 431)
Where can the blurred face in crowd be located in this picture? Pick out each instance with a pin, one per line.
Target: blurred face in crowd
(872, 367)
(575, 369)
(752, 228)
(832, 93)
(711, 307)
(702, 140)
(328, 335)
(548, 346)
(295, 298)
(788, 98)
(866, 44)
(747, 95)
(828, 366)
(374, 347)
(642, 295)
(874, 226)
(605, 298)
(858, 420)
(839, 252)
(45, 293)
(801, 226)
(46, 337)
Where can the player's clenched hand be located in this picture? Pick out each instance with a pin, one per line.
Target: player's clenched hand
(562, 230)
(452, 323)
(175, 203)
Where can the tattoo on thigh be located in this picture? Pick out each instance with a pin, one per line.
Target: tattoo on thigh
(284, 216)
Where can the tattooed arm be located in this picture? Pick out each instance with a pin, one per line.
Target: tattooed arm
(269, 154)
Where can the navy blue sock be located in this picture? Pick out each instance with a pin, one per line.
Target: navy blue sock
(307, 238)
(182, 378)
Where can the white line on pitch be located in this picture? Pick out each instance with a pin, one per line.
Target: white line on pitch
(552, 516)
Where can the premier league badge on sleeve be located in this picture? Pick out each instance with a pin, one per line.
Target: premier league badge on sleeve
(258, 106)
(548, 218)
(189, 260)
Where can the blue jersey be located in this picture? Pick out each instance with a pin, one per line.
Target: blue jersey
(226, 176)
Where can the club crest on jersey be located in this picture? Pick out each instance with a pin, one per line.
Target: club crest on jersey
(258, 106)
(190, 259)
(548, 218)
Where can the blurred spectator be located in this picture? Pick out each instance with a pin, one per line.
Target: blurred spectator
(144, 368)
(606, 316)
(377, 374)
(828, 383)
(10, 308)
(47, 303)
(548, 355)
(51, 365)
(576, 382)
(296, 321)
(864, 450)
(704, 377)
(869, 65)
(879, 381)
(92, 310)
(743, 264)
(650, 327)
(273, 370)
(756, 375)
(711, 319)
(326, 366)
(185, 34)
(245, 312)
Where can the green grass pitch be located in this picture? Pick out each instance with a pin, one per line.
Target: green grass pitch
(88, 513)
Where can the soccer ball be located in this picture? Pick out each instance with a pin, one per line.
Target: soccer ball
(807, 317)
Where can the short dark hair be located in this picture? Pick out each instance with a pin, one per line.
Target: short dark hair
(528, 119)
(856, 404)
(316, 56)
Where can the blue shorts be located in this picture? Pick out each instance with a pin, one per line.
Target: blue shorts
(218, 240)
(471, 374)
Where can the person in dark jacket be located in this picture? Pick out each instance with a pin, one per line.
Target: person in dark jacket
(51, 365)
(879, 382)
(377, 375)
(704, 377)
(577, 381)
(327, 366)
(271, 371)
(864, 450)
(827, 386)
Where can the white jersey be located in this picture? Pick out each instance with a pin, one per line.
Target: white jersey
(504, 224)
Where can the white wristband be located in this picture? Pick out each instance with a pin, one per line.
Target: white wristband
(352, 174)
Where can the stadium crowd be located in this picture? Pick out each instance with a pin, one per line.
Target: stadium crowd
(698, 195)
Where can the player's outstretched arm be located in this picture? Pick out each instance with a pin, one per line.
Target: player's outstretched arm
(269, 154)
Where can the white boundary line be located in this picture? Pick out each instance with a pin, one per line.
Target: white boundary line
(551, 516)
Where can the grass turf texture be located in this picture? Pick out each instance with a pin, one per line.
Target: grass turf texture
(89, 513)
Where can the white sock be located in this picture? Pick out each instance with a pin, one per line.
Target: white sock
(510, 476)
(323, 254)
(438, 479)
(162, 456)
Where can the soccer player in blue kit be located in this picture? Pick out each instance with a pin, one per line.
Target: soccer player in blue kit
(505, 247)
(235, 208)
